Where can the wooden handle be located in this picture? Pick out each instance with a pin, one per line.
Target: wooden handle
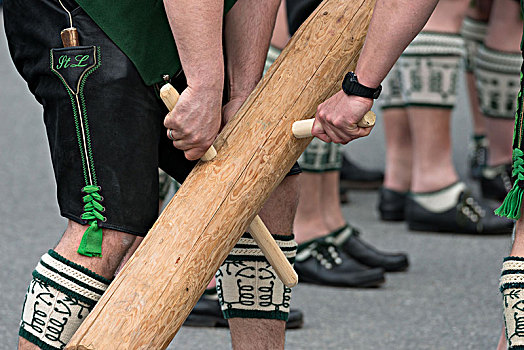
(69, 37)
(259, 231)
(302, 128)
(170, 96)
(273, 253)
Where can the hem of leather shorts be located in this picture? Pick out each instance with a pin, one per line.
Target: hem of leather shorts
(104, 225)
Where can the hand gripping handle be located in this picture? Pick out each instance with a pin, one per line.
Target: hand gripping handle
(302, 128)
(170, 96)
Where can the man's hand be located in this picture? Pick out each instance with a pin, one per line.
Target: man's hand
(336, 119)
(195, 121)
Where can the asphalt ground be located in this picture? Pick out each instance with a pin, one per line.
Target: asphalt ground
(448, 299)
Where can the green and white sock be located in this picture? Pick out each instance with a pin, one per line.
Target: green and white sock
(247, 285)
(60, 296)
(512, 289)
(497, 76)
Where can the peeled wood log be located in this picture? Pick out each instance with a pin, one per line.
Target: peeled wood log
(151, 297)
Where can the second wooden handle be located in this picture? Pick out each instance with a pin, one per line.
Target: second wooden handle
(272, 252)
(170, 96)
(302, 128)
(259, 231)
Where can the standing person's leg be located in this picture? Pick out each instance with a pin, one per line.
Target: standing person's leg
(438, 202)
(319, 259)
(473, 32)
(107, 206)
(278, 214)
(497, 69)
(397, 179)
(347, 237)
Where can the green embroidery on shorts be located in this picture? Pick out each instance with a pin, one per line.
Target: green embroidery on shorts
(75, 117)
(65, 61)
(84, 110)
(91, 244)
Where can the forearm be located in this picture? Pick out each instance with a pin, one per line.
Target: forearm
(197, 29)
(248, 30)
(394, 24)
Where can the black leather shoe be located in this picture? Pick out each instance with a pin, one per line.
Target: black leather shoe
(478, 156)
(391, 204)
(496, 182)
(354, 177)
(207, 313)
(348, 239)
(322, 262)
(468, 216)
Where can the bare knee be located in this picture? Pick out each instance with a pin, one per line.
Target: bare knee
(115, 244)
(279, 210)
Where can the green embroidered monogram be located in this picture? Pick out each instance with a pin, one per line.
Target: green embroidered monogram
(79, 61)
(76, 65)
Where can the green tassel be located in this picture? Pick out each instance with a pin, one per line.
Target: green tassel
(511, 207)
(91, 244)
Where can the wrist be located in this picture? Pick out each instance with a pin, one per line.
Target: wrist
(364, 101)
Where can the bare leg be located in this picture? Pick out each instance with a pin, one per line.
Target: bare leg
(114, 247)
(257, 334)
(309, 221)
(503, 344)
(398, 150)
(499, 133)
(479, 126)
(433, 167)
(330, 201)
(277, 214)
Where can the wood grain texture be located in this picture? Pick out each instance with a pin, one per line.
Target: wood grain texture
(151, 297)
(258, 229)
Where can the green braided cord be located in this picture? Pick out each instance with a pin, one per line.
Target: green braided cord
(91, 244)
(511, 207)
(84, 114)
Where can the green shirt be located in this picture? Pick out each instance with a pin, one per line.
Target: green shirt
(141, 30)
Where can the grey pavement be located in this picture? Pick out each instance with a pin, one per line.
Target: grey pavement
(447, 300)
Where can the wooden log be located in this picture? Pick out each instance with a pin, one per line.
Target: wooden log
(302, 128)
(258, 230)
(151, 297)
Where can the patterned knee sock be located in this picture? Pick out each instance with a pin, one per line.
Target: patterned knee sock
(497, 76)
(512, 288)
(247, 285)
(60, 296)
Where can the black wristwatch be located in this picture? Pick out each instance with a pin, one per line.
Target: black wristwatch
(351, 86)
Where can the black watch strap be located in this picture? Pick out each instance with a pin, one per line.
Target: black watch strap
(351, 86)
